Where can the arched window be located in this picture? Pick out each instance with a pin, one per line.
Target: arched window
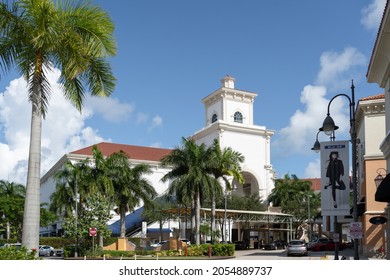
(214, 118)
(238, 117)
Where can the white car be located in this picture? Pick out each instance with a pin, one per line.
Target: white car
(296, 247)
(46, 250)
(159, 244)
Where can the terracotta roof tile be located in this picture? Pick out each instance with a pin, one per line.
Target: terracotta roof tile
(134, 152)
(315, 183)
(373, 97)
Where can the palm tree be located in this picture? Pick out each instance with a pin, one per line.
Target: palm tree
(190, 175)
(72, 185)
(224, 165)
(130, 188)
(12, 197)
(12, 189)
(38, 35)
(291, 194)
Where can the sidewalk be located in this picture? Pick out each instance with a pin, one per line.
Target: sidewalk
(346, 254)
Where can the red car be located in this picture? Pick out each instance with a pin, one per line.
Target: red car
(324, 244)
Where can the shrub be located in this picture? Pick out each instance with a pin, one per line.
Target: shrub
(14, 253)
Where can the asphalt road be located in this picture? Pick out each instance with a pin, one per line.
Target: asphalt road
(259, 254)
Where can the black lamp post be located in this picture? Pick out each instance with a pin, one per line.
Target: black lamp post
(328, 128)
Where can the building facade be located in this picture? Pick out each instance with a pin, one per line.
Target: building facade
(378, 72)
(370, 127)
(229, 118)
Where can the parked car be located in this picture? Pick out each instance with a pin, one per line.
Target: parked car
(186, 241)
(240, 245)
(296, 247)
(317, 243)
(159, 244)
(324, 244)
(275, 245)
(59, 252)
(46, 250)
(12, 245)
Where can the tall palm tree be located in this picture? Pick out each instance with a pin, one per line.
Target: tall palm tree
(190, 176)
(225, 165)
(35, 37)
(72, 185)
(130, 187)
(12, 189)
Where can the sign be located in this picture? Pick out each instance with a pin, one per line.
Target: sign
(336, 237)
(356, 230)
(378, 220)
(92, 231)
(335, 182)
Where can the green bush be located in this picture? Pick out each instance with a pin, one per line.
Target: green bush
(216, 250)
(223, 250)
(14, 253)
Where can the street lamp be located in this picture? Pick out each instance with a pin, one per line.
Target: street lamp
(379, 178)
(328, 127)
(317, 146)
(309, 231)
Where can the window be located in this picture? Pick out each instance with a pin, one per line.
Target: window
(214, 118)
(237, 117)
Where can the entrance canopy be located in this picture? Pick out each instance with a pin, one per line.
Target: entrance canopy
(237, 215)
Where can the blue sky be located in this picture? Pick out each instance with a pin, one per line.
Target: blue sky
(295, 54)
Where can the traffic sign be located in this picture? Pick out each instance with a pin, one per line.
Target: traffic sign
(356, 230)
(92, 231)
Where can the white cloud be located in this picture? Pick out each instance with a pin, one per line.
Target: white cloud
(141, 118)
(304, 124)
(111, 109)
(63, 130)
(157, 121)
(299, 136)
(372, 14)
(156, 145)
(313, 169)
(338, 69)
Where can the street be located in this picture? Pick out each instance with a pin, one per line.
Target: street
(257, 254)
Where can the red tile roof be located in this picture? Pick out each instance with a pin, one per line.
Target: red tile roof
(134, 152)
(315, 183)
(373, 97)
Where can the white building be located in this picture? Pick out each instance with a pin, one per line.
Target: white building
(228, 117)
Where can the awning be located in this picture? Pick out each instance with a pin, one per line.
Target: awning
(383, 192)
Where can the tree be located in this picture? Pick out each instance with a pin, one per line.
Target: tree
(12, 198)
(190, 175)
(72, 183)
(11, 207)
(293, 195)
(224, 165)
(130, 188)
(35, 37)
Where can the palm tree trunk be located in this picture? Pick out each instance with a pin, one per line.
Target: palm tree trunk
(212, 217)
(31, 216)
(197, 219)
(193, 220)
(123, 220)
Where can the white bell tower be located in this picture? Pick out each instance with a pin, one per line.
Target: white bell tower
(229, 117)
